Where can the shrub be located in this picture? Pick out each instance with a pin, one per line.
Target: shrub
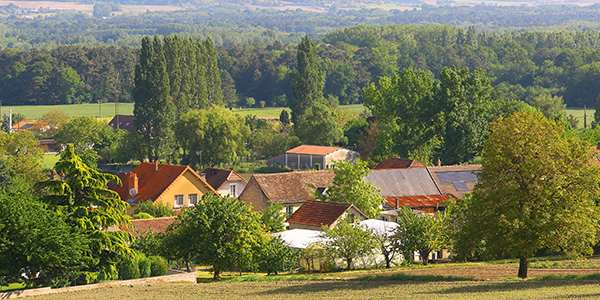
(144, 265)
(87, 278)
(108, 273)
(158, 266)
(129, 267)
(156, 210)
(142, 215)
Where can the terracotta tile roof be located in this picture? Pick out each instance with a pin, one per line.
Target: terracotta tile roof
(399, 163)
(151, 183)
(314, 150)
(292, 186)
(457, 180)
(319, 213)
(30, 125)
(142, 226)
(417, 201)
(125, 122)
(217, 177)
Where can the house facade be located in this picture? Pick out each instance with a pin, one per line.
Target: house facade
(313, 157)
(175, 186)
(225, 182)
(290, 189)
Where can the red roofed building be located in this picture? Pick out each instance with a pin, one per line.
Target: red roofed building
(124, 122)
(142, 226)
(314, 215)
(33, 126)
(226, 182)
(313, 157)
(173, 185)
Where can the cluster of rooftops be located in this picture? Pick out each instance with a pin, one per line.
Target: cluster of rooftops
(402, 182)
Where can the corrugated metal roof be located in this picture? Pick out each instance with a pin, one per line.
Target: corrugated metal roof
(314, 150)
(403, 182)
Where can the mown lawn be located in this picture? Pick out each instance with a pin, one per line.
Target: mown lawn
(444, 281)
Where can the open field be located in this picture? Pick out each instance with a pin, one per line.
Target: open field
(34, 112)
(77, 6)
(468, 281)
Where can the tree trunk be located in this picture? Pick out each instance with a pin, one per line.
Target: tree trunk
(424, 257)
(217, 275)
(349, 262)
(523, 265)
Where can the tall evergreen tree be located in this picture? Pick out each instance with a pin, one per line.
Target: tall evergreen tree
(154, 109)
(213, 75)
(307, 81)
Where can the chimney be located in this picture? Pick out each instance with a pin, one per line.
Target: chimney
(438, 163)
(132, 181)
(203, 175)
(397, 203)
(156, 166)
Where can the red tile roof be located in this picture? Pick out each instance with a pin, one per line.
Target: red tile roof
(292, 186)
(417, 201)
(217, 177)
(151, 182)
(314, 150)
(399, 163)
(142, 226)
(319, 213)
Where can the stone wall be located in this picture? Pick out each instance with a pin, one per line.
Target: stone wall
(178, 277)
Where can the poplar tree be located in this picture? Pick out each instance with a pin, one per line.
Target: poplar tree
(307, 81)
(213, 75)
(153, 109)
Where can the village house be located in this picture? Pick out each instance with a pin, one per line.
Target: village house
(290, 189)
(315, 215)
(33, 126)
(173, 185)
(312, 157)
(124, 122)
(225, 182)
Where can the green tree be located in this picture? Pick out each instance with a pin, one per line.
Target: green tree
(213, 75)
(284, 117)
(275, 257)
(89, 137)
(56, 119)
(89, 206)
(69, 85)
(222, 233)
(552, 107)
(422, 233)
(318, 126)
(22, 155)
(348, 186)
(273, 219)
(537, 188)
(154, 109)
(157, 210)
(348, 241)
(307, 81)
(36, 242)
(212, 136)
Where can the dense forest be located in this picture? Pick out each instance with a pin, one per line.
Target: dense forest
(521, 65)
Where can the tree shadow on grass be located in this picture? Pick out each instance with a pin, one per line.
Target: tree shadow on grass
(517, 285)
(360, 283)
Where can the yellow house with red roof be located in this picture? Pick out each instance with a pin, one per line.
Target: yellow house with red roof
(173, 185)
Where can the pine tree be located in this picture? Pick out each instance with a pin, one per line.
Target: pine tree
(307, 81)
(154, 109)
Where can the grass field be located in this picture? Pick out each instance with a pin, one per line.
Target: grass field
(35, 112)
(467, 281)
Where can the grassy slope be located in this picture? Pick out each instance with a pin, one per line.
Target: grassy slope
(471, 281)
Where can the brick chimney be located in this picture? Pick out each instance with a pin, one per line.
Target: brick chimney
(438, 163)
(132, 181)
(397, 203)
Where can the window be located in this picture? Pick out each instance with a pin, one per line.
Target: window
(192, 199)
(233, 189)
(178, 200)
(289, 210)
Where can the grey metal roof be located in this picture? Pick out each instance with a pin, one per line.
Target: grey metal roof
(403, 182)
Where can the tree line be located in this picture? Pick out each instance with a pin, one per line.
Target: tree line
(520, 65)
